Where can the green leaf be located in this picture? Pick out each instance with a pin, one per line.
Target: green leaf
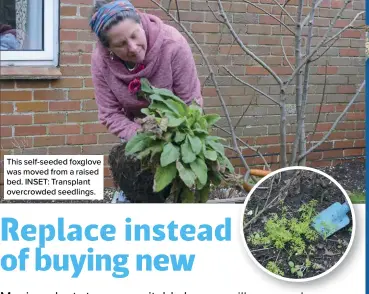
(186, 152)
(300, 274)
(164, 176)
(200, 169)
(216, 138)
(199, 186)
(167, 137)
(146, 111)
(176, 107)
(194, 108)
(187, 175)
(145, 86)
(211, 119)
(156, 148)
(210, 154)
(138, 143)
(218, 147)
(228, 164)
(193, 115)
(191, 119)
(199, 131)
(174, 122)
(291, 264)
(169, 155)
(196, 144)
(196, 125)
(202, 123)
(144, 153)
(160, 106)
(167, 93)
(179, 137)
(156, 97)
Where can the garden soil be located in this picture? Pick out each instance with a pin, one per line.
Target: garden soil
(305, 186)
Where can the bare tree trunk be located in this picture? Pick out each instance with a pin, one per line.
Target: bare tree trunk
(302, 144)
(296, 144)
(282, 130)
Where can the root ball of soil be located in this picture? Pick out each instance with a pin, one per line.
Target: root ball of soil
(130, 176)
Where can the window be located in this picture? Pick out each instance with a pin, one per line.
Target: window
(29, 32)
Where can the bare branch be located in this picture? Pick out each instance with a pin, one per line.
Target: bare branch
(220, 40)
(168, 8)
(213, 12)
(251, 86)
(285, 55)
(247, 145)
(243, 114)
(284, 10)
(204, 84)
(285, 3)
(230, 47)
(335, 123)
(321, 101)
(284, 49)
(325, 50)
(308, 16)
(212, 76)
(281, 196)
(297, 70)
(349, 26)
(177, 8)
(271, 15)
(270, 191)
(244, 48)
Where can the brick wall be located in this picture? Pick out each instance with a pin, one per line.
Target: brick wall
(60, 117)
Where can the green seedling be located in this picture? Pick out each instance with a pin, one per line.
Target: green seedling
(288, 234)
(296, 269)
(274, 268)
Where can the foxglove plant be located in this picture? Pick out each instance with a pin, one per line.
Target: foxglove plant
(176, 143)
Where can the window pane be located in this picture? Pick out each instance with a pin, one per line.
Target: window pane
(21, 25)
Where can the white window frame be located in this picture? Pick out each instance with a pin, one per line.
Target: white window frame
(47, 57)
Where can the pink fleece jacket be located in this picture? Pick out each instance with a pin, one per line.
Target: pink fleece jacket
(168, 64)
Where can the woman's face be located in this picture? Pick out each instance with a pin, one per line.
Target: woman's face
(127, 40)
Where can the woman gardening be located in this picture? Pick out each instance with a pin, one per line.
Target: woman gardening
(133, 45)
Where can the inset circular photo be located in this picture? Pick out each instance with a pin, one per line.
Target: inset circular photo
(298, 224)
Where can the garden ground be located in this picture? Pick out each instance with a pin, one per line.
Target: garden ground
(277, 224)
